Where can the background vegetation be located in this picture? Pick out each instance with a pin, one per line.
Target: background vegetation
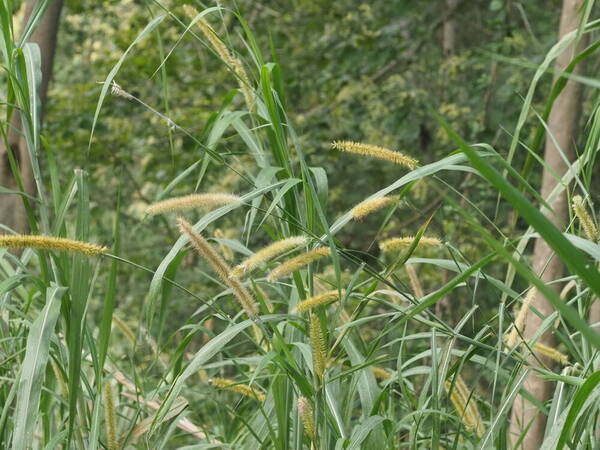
(146, 347)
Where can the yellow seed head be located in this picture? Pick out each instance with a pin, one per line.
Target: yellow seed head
(50, 243)
(234, 386)
(380, 373)
(298, 262)
(414, 281)
(395, 244)
(587, 223)
(306, 414)
(266, 254)
(317, 300)
(468, 412)
(376, 152)
(110, 421)
(519, 324)
(226, 56)
(367, 207)
(192, 201)
(317, 344)
(215, 260)
(225, 250)
(551, 353)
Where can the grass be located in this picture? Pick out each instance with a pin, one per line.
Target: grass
(371, 366)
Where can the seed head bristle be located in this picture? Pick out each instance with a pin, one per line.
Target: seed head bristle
(367, 207)
(50, 243)
(380, 373)
(587, 223)
(240, 388)
(400, 243)
(376, 152)
(226, 56)
(513, 336)
(206, 251)
(465, 405)
(110, 421)
(192, 201)
(298, 262)
(266, 254)
(317, 300)
(551, 353)
(306, 414)
(414, 281)
(317, 344)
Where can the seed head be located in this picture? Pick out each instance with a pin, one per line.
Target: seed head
(587, 223)
(400, 243)
(240, 388)
(306, 414)
(317, 344)
(376, 152)
(192, 201)
(317, 300)
(266, 254)
(367, 207)
(215, 260)
(298, 262)
(465, 405)
(51, 243)
(551, 353)
(518, 326)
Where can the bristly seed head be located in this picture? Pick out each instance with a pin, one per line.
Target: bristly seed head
(317, 343)
(317, 300)
(240, 388)
(298, 262)
(367, 207)
(376, 152)
(519, 324)
(204, 249)
(50, 243)
(398, 243)
(266, 254)
(192, 201)
(465, 405)
(587, 223)
(306, 414)
(551, 352)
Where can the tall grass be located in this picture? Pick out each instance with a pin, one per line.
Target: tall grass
(332, 352)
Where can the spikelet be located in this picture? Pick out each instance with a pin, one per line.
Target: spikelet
(298, 262)
(551, 353)
(589, 227)
(317, 344)
(367, 207)
(306, 414)
(380, 374)
(234, 386)
(469, 413)
(225, 250)
(376, 152)
(50, 243)
(317, 300)
(414, 281)
(220, 49)
(192, 201)
(404, 242)
(266, 254)
(124, 328)
(215, 260)
(513, 336)
(110, 422)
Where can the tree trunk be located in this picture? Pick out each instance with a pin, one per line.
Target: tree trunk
(12, 210)
(562, 124)
(449, 29)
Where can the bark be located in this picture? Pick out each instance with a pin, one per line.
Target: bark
(562, 124)
(12, 211)
(449, 29)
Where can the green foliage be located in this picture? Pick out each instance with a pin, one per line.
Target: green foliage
(151, 317)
